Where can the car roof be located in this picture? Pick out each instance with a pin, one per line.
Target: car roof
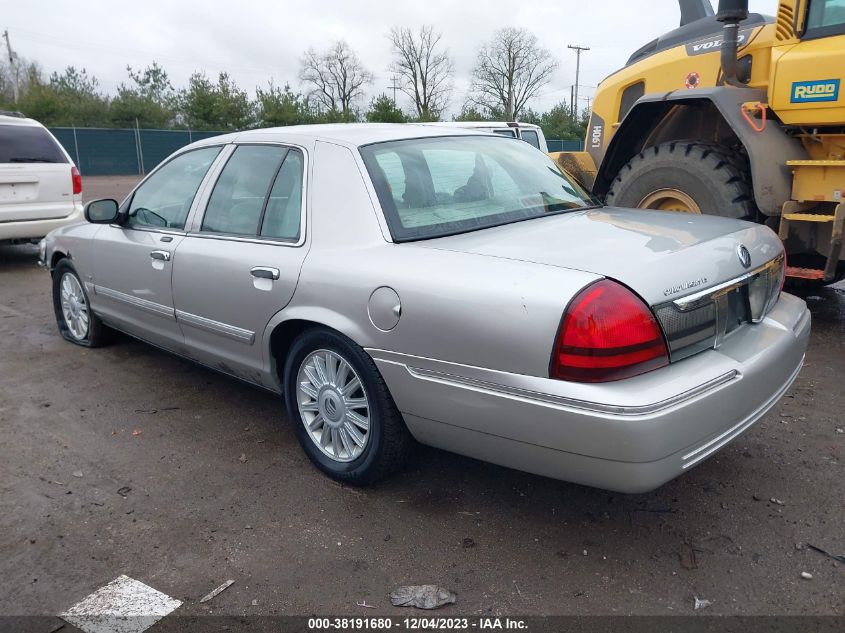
(348, 134)
(16, 118)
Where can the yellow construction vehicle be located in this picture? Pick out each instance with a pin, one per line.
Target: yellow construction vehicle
(733, 114)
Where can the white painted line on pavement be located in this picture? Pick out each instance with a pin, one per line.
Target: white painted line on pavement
(124, 605)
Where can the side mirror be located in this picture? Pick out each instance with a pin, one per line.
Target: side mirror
(101, 211)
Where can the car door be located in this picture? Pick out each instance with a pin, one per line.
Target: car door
(240, 263)
(133, 261)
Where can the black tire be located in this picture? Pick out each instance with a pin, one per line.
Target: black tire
(96, 333)
(389, 442)
(714, 176)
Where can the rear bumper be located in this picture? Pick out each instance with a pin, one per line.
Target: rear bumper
(630, 436)
(36, 229)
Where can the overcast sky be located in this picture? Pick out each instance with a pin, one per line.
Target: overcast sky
(255, 40)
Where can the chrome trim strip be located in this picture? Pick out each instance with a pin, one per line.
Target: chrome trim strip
(247, 239)
(561, 401)
(723, 438)
(150, 306)
(703, 297)
(216, 327)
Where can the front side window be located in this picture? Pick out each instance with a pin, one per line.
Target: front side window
(164, 199)
(237, 200)
(826, 17)
(28, 144)
(438, 186)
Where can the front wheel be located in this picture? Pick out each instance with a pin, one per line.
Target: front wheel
(77, 322)
(686, 176)
(343, 414)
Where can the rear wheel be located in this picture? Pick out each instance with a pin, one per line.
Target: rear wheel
(343, 414)
(688, 177)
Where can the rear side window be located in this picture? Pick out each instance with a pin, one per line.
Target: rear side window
(259, 192)
(237, 200)
(531, 137)
(28, 144)
(283, 212)
(164, 199)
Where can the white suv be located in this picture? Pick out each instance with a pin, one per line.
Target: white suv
(40, 187)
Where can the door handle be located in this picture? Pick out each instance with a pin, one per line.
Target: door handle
(160, 255)
(264, 272)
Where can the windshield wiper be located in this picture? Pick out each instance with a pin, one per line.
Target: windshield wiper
(33, 159)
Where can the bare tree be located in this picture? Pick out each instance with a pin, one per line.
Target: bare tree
(336, 77)
(510, 70)
(424, 72)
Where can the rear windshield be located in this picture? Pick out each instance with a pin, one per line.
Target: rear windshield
(28, 144)
(432, 187)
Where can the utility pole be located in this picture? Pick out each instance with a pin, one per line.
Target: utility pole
(577, 50)
(572, 102)
(393, 87)
(12, 65)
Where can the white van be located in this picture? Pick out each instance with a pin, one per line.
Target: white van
(40, 187)
(528, 132)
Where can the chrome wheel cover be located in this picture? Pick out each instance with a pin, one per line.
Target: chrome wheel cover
(74, 306)
(333, 405)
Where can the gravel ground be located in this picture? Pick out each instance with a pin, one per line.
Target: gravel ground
(219, 489)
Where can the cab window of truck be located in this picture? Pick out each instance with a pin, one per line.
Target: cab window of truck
(826, 17)
(530, 137)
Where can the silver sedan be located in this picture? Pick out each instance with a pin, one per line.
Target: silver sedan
(408, 282)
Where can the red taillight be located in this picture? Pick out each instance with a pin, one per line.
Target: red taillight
(77, 180)
(607, 333)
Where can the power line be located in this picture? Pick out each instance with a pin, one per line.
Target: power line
(577, 50)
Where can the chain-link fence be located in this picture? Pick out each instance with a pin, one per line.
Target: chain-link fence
(123, 152)
(120, 152)
(569, 145)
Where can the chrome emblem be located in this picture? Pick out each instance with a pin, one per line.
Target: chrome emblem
(687, 285)
(744, 256)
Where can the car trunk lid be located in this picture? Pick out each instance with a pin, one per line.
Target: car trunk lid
(660, 255)
(692, 270)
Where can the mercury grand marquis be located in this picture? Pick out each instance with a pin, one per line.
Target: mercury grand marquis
(401, 283)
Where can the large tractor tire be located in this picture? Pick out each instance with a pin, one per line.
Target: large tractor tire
(686, 176)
